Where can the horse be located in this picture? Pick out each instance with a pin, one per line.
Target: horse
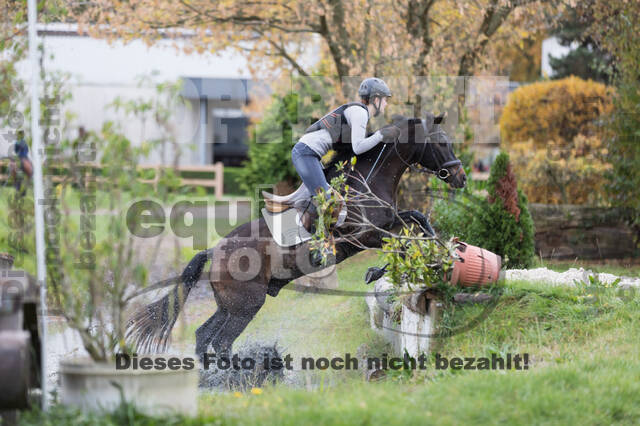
(247, 264)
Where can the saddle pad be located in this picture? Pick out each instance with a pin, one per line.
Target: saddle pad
(286, 227)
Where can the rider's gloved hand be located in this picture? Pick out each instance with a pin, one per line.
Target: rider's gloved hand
(389, 133)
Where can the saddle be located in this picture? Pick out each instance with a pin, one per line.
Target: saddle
(301, 200)
(291, 218)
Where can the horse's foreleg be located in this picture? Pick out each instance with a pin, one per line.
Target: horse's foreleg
(414, 216)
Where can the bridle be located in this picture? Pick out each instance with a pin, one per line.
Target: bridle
(442, 171)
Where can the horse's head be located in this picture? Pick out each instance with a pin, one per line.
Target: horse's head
(425, 142)
(438, 154)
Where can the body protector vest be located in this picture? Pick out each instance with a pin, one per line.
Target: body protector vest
(336, 124)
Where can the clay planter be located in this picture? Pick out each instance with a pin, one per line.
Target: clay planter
(476, 267)
(93, 386)
(6, 261)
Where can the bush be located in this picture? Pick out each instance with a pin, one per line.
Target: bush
(505, 225)
(233, 180)
(573, 174)
(617, 28)
(271, 143)
(553, 133)
(501, 222)
(554, 111)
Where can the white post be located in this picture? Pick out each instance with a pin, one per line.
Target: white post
(38, 193)
(203, 129)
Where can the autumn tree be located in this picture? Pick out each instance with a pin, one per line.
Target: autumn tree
(616, 29)
(362, 37)
(13, 44)
(13, 49)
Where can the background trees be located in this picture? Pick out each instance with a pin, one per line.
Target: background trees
(617, 29)
(355, 38)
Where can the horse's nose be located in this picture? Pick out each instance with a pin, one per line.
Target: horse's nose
(464, 180)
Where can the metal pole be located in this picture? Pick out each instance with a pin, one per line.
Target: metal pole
(38, 193)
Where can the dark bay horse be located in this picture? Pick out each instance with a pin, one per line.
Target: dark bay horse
(247, 264)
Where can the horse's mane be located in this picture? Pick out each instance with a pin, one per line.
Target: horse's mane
(410, 130)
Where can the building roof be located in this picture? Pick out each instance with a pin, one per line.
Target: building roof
(223, 89)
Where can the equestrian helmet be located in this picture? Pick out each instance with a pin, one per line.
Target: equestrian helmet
(372, 87)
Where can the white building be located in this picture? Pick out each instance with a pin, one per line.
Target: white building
(551, 47)
(215, 88)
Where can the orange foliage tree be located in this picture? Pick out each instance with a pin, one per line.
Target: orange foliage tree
(361, 37)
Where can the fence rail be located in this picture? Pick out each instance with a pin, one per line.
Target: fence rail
(216, 170)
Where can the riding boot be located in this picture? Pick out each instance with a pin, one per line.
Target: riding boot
(308, 214)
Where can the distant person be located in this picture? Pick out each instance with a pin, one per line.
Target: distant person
(21, 150)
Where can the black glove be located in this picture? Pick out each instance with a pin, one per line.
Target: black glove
(389, 133)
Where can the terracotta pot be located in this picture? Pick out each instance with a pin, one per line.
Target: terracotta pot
(476, 267)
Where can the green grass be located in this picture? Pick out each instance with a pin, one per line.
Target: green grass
(215, 228)
(583, 344)
(584, 369)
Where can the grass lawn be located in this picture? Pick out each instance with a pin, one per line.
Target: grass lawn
(584, 365)
(583, 346)
(215, 228)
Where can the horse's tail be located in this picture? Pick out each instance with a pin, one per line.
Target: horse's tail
(149, 328)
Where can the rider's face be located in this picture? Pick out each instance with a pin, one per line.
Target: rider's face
(383, 104)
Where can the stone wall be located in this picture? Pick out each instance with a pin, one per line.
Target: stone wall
(569, 232)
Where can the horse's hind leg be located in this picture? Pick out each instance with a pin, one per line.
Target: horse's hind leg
(223, 341)
(241, 301)
(207, 331)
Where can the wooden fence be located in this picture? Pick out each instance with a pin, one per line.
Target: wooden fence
(216, 182)
(215, 171)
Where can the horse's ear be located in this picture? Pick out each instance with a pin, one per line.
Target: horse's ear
(430, 119)
(439, 119)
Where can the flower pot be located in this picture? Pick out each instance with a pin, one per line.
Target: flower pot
(476, 266)
(6, 261)
(93, 386)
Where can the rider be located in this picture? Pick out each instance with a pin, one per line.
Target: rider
(344, 128)
(21, 149)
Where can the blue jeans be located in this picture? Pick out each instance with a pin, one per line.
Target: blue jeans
(307, 164)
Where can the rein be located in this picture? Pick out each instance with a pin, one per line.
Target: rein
(376, 163)
(442, 173)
